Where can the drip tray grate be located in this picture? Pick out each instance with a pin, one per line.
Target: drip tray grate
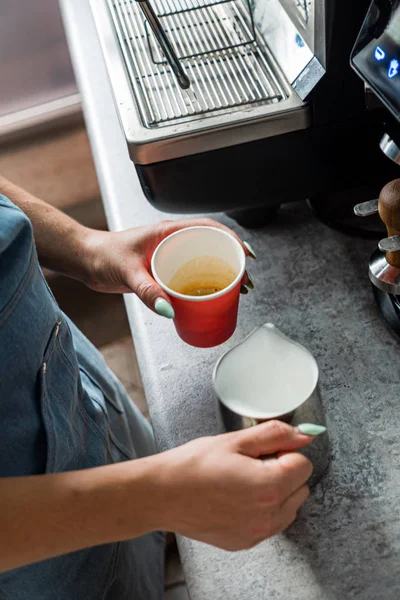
(228, 69)
(203, 29)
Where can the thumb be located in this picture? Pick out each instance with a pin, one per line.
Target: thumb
(150, 293)
(269, 438)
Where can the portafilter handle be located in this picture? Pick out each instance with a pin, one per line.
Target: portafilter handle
(388, 207)
(384, 267)
(389, 212)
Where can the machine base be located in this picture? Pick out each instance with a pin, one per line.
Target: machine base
(313, 163)
(254, 218)
(389, 306)
(337, 211)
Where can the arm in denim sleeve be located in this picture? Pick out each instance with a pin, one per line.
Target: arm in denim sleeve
(59, 239)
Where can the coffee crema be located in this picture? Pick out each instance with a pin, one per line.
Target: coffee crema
(202, 276)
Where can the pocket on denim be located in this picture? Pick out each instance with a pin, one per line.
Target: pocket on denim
(75, 440)
(111, 415)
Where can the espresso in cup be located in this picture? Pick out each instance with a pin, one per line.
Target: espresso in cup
(202, 276)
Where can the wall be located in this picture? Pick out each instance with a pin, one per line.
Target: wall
(34, 61)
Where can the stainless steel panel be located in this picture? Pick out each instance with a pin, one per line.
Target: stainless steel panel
(309, 19)
(288, 26)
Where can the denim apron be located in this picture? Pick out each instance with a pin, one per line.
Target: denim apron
(62, 409)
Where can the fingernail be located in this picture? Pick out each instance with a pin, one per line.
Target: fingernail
(243, 290)
(250, 249)
(250, 283)
(164, 308)
(311, 429)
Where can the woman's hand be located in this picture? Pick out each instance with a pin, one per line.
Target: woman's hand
(120, 262)
(105, 261)
(218, 491)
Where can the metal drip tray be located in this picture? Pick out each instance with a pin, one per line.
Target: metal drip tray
(216, 41)
(238, 91)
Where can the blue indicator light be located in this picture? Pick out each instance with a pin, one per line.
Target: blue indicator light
(393, 68)
(379, 53)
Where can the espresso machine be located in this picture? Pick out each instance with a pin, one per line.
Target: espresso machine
(242, 105)
(376, 59)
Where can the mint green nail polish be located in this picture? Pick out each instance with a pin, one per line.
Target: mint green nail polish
(250, 249)
(164, 308)
(311, 429)
(250, 283)
(244, 290)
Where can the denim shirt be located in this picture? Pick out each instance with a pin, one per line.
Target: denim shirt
(61, 409)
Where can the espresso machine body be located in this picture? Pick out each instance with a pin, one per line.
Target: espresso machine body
(274, 112)
(376, 59)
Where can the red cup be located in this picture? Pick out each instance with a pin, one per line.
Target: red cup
(201, 321)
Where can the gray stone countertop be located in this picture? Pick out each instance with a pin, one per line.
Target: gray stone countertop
(312, 283)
